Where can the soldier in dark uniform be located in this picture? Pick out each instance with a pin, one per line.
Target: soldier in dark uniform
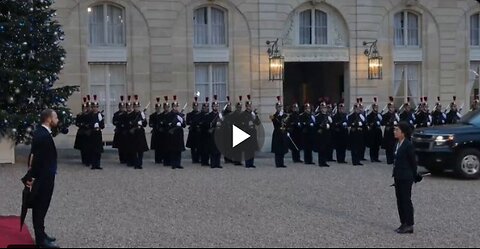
(475, 104)
(95, 143)
(331, 146)
(162, 123)
(194, 142)
(137, 123)
(323, 134)
(154, 124)
(176, 124)
(295, 130)
(231, 119)
(356, 122)
(249, 123)
(390, 120)
(308, 122)
(423, 118)
(365, 130)
(439, 118)
(374, 132)
(453, 115)
(204, 134)
(225, 113)
(407, 115)
(214, 120)
(340, 133)
(279, 137)
(120, 136)
(81, 138)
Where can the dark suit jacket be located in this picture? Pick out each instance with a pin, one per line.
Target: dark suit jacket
(44, 153)
(405, 162)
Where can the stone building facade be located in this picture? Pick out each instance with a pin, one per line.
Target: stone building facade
(181, 47)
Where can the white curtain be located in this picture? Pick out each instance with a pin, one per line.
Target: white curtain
(219, 81)
(413, 28)
(97, 25)
(202, 80)
(398, 83)
(306, 27)
(321, 27)
(413, 71)
(218, 27)
(399, 29)
(201, 26)
(115, 24)
(475, 30)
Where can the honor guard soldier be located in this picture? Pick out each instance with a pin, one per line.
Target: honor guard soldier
(295, 130)
(331, 107)
(340, 133)
(231, 119)
(204, 135)
(476, 103)
(323, 135)
(407, 114)
(163, 133)
(308, 122)
(153, 122)
(120, 137)
(250, 121)
(194, 141)
(81, 139)
(176, 146)
(227, 110)
(439, 118)
(138, 141)
(374, 132)
(214, 120)
(454, 115)
(423, 118)
(356, 122)
(365, 130)
(97, 124)
(390, 121)
(280, 136)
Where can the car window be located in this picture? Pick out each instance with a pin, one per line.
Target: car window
(471, 118)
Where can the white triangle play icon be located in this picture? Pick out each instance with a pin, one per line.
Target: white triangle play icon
(239, 136)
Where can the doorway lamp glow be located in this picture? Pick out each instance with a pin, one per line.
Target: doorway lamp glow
(276, 61)
(375, 61)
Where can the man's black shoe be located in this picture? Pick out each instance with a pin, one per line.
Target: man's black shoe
(400, 228)
(406, 230)
(51, 239)
(47, 244)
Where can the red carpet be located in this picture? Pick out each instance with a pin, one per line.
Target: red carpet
(10, 234)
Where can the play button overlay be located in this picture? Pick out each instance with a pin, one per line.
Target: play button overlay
(239, 136)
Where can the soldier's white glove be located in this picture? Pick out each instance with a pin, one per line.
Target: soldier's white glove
(328, 126)
(397, 116)
(379, 116)
(362, 117)
(143, 115)
(180, 119)
(411, 122)
(311, 124)
(360, 124)
(96, 126)
(378, 123)
(345, 124)
(140, 123)
(395, 123)
(288, 134)
(179, 124)
(330, 120)
(459, 115)
(254, 115)
(281, 114)
(100, 117)
(299, 125)
(428, 124)
(220, 116)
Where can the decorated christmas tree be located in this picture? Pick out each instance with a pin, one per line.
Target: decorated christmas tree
(31, 58)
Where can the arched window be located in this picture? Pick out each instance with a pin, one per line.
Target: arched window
(407, 29)
(313, 27)
(475, 30)
(106, 25)
(210, 27)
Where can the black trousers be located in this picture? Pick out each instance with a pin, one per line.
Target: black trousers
(308, 156)
(390, 155)
(341, 154)
(84, 157)
(122, 156)
(158, 156)
(296, 155)
(279, 160)
(403, 191)
(322, 156)
(374, 153)
(205, 158)
(176, 159)
(167, 159)
(138, 159)
(195, 155)
(330, 153)
(215, 160)
(95, 159)
(45, 185)
(356, 155)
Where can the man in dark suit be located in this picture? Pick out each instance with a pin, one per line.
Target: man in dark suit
(404, 173)
(41, 175)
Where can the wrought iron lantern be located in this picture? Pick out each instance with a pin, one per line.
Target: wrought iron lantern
(276, 61)
(375, 61)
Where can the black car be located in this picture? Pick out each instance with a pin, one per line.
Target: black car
(451, 147)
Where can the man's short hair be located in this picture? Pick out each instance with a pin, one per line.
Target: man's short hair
(46, 114)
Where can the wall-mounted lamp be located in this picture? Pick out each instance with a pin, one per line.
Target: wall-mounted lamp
(375, 61)
(276, 61)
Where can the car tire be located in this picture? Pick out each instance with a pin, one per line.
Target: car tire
(468, 164)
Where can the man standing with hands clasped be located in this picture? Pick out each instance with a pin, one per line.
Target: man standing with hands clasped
(41, 175)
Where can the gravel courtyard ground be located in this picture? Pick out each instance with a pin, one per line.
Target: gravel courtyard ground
(301, 206)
